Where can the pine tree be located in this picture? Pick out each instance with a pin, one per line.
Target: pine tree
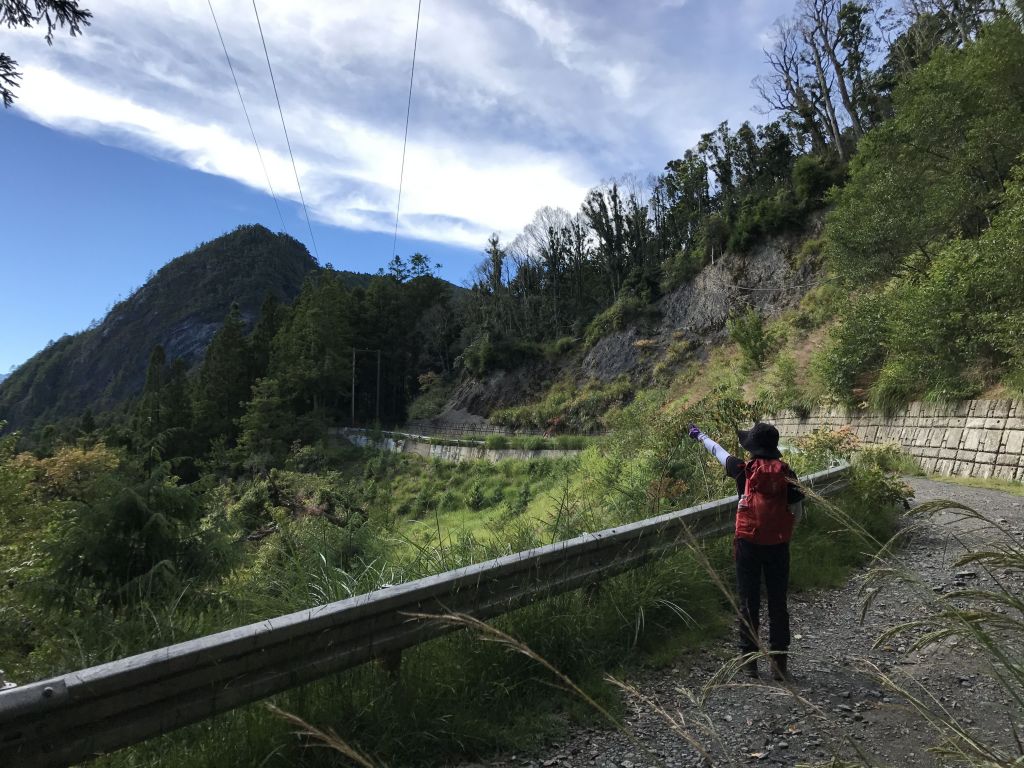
(224, 380)
(176, 413)
(272, 316)
(312, 353)
(147, 419)
(266, 426)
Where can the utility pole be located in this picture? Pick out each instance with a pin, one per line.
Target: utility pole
(377, 404)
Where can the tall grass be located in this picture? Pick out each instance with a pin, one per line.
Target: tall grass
(572, 645)
(457, 697)
(988, 619)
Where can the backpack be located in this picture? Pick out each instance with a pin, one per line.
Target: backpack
(762, 515)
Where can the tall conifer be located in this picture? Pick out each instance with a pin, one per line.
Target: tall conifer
(224, 381)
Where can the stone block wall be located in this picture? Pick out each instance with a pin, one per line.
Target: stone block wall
(974, 438)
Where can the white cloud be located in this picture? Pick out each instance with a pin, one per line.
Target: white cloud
(557, 32)
(518, 103)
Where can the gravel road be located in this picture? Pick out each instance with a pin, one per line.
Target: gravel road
(834, 707)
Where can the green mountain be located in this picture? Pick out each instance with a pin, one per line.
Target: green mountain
(181, 307)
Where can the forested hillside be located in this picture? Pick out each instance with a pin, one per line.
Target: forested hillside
(179, 308)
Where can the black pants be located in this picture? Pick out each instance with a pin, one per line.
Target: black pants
(771, 560)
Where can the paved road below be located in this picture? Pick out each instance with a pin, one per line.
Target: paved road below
(834, 707)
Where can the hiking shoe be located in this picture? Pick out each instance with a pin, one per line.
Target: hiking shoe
(780, 667)
(750, 669)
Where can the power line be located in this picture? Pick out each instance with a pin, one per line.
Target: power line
(231, 66)
(408, 111)
(285, 127)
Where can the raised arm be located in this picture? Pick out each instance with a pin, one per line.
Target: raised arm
(712, 447)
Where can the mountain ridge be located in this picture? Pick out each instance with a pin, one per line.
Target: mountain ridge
(180, 308)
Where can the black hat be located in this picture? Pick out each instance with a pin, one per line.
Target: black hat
(761, 440)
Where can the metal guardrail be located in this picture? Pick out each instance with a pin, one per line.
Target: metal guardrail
(80, 715)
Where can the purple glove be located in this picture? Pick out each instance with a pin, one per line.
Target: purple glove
(694, 432)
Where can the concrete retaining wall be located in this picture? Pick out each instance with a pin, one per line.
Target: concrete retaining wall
(452, 452)
(975, 438)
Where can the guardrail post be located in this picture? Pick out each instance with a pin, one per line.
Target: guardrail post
(391, 661)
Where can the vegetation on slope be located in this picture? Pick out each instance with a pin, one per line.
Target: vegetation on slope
(928, 234)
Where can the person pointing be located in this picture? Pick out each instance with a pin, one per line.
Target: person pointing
(770, 503)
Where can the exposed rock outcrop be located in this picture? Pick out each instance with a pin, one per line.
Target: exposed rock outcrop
(766, 279)
(502, 389)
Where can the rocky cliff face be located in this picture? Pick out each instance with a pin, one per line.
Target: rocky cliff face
(766, 279)
(476, 398)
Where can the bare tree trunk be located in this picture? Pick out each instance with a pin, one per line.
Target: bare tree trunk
(820, 19)
(844, 94)
(831, 121)
(784, 89)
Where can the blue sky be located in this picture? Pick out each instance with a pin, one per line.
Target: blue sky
(128, 146)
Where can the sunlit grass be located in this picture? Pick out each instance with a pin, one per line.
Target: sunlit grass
(988, 483)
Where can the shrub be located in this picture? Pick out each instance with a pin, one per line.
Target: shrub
(307, 458)
(142, 540)
(478, 356)
(425, 501)
(73, 472)
(496, 442)
(748, 330)
(433, 395)
(488, 353)
(476, 498)
(813, 176)
(448, 501)
(809, 252)
(767, 216)
(854, 348)
(677, 353)
(518, 504)
(617, 317)
(889, 458)
(253, 508)
(824, 448)
(568, 407)
(780, 390)
(819, 305)
(681, 268)
(559, 348)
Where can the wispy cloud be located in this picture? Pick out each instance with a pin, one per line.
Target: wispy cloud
(518, 103)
